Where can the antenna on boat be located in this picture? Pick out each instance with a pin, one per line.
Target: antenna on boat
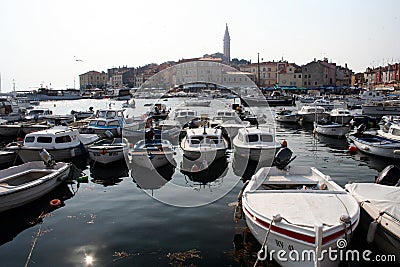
(204, 129)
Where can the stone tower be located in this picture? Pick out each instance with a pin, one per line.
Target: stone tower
(227, 45)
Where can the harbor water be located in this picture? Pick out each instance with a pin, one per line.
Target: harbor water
(185, 221)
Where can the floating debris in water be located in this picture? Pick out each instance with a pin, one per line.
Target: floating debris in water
(232, 204)
(123, 255)
(179, 258)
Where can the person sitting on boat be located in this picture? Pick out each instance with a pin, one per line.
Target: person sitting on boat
(149, 122)
(149, 135)
(360, 130)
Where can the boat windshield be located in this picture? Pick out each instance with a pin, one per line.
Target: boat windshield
(44, 139)
(251, 138)
(63, 139)
(266, 138)
(113, 123)
(396, 131)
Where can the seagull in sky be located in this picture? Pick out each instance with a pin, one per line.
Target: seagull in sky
(76, 59)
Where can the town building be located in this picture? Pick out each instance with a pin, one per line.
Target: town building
(93, 79)
(291, 76)
(319, 73)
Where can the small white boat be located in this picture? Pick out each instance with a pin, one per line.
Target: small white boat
(329, 105)
(152, 153)
(80, 115)
(380, 213)
(381, 108)
(24, 183)
(298, 208)
(204, 144)
(287, 116)
(108, 150)
(312, 113)
(38, 113)
(392, 133)
(376, 145)
(254, 100)
(183, 116)
(340, 115)
(226, 115)
(111, 120)
(331, 128)
(257, 144)
(198, 103)
(63, 143)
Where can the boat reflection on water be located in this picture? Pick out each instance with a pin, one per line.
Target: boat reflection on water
(150, 179)
(332, 142)
(14, 221)
(374, 162)
(245, 168)
(109, 175)
(202, 173)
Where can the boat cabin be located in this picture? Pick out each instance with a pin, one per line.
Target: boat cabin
(312, 109)
(255, 136)
(54, 138)
(200, 136)
(186, 112)
(110, 113)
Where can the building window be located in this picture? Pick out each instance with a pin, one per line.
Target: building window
(263, 69)
(315, 83)
(269, 69)
(305, 76)
(309, 76)
(294, 76)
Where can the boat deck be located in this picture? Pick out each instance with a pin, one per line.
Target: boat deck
(302, 207)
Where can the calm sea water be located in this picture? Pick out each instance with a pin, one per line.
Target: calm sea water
(184, 221)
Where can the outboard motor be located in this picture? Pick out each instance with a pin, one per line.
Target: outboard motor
(389, 176)
(283, 158)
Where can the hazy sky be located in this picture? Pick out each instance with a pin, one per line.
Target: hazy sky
(40, 39)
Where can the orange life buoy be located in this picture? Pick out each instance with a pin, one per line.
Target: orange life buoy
(55, 202)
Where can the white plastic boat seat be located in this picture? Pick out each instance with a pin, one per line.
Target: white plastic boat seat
(24, 177)
(290, 180)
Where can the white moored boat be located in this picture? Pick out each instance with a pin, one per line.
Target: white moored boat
(331, 129)
(340, 115)
(287, 116)
(108, 150)
(185, 115)
(298, 208)
(257, 144)
(312, 113)
(24, 183)
(152, 152)
(198, 103)
(376, 145)
(60, 141)
(392, 133)
(204, 144)
(380, 211)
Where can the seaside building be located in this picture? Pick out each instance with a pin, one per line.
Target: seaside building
(93, 79)
(290, 76)
(319, 73)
